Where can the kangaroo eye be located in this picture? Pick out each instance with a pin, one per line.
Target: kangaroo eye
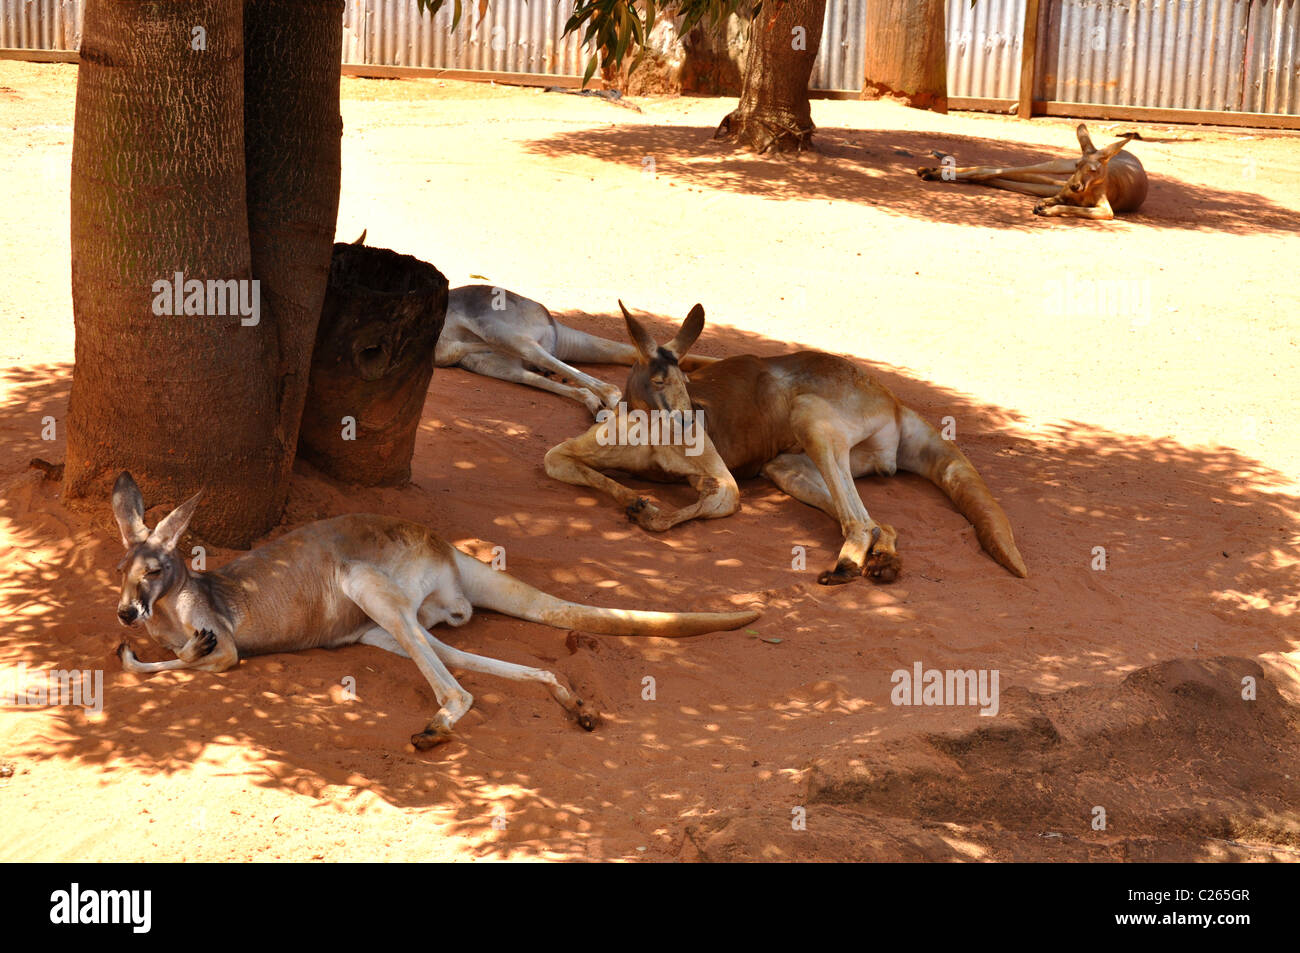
(657, 381)
(153, 572)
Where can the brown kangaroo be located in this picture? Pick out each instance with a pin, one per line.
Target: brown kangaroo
(1097, 185)
(810, 422)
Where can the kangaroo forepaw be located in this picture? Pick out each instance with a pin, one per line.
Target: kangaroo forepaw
(126, 656)
(929, 173)
(201, 644)
(587, 719)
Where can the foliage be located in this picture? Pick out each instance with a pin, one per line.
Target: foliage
(616, 28)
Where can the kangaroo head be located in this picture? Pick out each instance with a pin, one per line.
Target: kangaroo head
(150, 568)
(657, 381)
(1087, 186)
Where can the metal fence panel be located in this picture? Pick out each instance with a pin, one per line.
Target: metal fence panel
(984, 48)
(842, 55)
(40, 24)
(1220, 55)
(513, 36)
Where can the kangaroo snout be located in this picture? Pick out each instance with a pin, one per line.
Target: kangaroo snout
(127, 615)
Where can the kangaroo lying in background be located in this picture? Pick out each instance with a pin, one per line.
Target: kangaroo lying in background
(497, 333)
(810, 422)
(1097, 185)
(363, 579)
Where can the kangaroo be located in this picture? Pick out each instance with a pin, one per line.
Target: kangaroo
(810, 422)
(366, 579)
(497, 333)
(1097, 185)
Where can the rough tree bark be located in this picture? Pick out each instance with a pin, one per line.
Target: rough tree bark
(162, 184)
(372, 364)
(775, 114)
(293, 134)
(907, 53)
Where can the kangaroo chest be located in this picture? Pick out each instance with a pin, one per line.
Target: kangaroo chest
(746, 413)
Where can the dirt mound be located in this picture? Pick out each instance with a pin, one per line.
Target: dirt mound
(1185, 758)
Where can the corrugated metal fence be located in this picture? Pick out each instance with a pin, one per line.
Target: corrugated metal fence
(40, 24)
(842, 56)
(984, 48)
(513, 36)
(1232, 55)
(1220, 55)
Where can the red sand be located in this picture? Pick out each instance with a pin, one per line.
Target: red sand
(1153, 415)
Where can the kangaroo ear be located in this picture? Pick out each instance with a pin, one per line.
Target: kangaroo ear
(1085, 140)
(361, 239)
(168, 531)
(645, 344)
(1113, 149)
(688, 334)
(128, 508)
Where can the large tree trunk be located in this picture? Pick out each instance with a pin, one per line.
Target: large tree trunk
(907, 53)
(158, 188)
(292, 138)
(774, 114)
(162, 184)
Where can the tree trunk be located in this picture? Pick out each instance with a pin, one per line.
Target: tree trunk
(714, 57)
(165, 182)
(907, 53)
(293, 134)
(372, 364)
(158, 188)
(774, 114)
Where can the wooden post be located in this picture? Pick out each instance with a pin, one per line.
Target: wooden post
(1028, 59)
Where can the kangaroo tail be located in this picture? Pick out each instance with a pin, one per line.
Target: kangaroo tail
(922, 450)
(579, 347)
(487, 588)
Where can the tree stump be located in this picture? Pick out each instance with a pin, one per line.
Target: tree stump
(372, 364)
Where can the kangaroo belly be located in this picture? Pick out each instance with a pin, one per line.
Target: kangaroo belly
(1126, 183)
(748, 402)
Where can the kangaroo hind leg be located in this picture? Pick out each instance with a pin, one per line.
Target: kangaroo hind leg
(394, 610)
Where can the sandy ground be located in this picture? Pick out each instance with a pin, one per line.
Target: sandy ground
(1130, 385)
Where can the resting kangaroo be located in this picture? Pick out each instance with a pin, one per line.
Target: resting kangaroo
(369, 579)
(810, 422)
(497, 333)
(1097, 185)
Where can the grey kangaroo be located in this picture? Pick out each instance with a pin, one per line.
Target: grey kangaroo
(497, 333)
(366, 579)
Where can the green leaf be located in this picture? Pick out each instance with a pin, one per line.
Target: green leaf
(591, 68)
(455, 17)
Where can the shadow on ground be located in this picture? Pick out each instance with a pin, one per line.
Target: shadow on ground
(878, 167)
(1066, 491)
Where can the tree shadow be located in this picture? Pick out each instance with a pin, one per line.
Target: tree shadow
(878, 167)
(703, 745)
